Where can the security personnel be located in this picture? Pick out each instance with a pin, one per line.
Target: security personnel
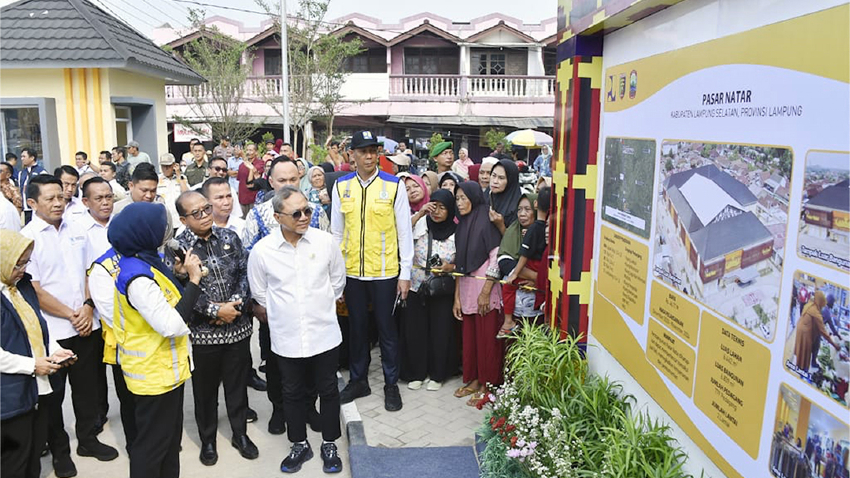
(370, 219)
(151, 336)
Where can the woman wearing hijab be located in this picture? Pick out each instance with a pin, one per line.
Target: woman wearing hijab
(431, 180)
(477, 301)
(418, 196)
(484, 173)
(304, 184)
(543, 163)
(449, 181)
(24, 362)
(152, 337)
(462, 164)
(810, 329)
(504, 194)
(427, 328)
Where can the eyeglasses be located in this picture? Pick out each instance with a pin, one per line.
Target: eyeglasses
(219, 169)
(199, 213)
(307, 211)
(20, 267)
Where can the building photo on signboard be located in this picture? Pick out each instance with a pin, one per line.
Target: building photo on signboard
(824, 235)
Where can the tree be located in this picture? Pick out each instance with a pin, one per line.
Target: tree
(493, 137)
(218, 58)
(316, 63)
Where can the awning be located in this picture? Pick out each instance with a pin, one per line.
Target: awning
(517, 123)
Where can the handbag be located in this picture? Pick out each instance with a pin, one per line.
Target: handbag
(436, 285)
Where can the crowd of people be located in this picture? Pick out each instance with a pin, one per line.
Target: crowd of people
(159, 276)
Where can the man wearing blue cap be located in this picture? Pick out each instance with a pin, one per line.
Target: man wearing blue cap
(370, 219)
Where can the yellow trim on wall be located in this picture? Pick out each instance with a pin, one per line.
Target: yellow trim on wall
(98, 114)
(82, 86)
(69, 110)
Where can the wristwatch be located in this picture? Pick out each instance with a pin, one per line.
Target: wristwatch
(89, 302)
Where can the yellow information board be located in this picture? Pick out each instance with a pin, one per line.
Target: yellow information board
(671, 356)
(675, 311)
(624, 266)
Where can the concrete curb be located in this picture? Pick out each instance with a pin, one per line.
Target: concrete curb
(351, 419)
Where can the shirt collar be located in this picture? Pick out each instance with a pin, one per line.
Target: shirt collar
(40, 224)
(366, 182)
(281, 241)
(192, 239)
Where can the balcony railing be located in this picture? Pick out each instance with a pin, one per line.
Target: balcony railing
(471, 87)
(401, 87)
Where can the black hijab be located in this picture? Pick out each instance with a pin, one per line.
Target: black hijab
(476, 236)
(505, 202)
(441, 231)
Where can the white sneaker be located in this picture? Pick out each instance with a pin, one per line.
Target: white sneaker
(414, 385)
(433, 386)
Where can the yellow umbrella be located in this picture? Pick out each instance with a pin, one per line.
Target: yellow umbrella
(529, 138)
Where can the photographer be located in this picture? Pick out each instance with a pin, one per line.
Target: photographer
(427, 325)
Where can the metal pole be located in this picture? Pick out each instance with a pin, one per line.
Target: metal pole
(284, 70)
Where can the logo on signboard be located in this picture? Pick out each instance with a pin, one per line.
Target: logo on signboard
(632, 84)
(612, 96)
(622, 85)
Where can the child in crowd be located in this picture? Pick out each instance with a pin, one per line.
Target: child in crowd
(522, 303)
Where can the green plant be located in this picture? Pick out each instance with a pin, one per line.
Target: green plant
(493, 137)
(318, 154)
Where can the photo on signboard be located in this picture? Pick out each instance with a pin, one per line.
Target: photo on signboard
(720, 227)
(817, 345)
(808, 442)
(629, 176)
(824, 234)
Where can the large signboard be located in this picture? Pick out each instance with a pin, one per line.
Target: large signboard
(722, 241)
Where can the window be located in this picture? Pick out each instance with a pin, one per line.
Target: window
(373, 60)
(491, 64)
(20, 129)
(123, 125)
(550, 61)
(271, 62)
(431, 61)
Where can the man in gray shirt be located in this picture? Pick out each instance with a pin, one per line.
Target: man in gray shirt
(136, 157)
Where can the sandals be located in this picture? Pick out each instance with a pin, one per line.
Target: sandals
(475, 398)
(505, 333)
(464, 391)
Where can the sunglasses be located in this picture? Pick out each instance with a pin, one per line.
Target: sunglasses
(219, 169)
(307, 211)
(199, 213)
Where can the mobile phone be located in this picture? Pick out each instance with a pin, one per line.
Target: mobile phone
(66, 360)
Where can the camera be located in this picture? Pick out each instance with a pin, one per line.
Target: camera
(435, 262)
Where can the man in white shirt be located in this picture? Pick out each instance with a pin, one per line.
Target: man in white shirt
(58, 273)
(296, 274)
(10, 217)
(82, 160)
(107, 172)
(70, 178)
(171, 184)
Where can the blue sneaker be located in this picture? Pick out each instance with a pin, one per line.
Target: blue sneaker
(299, 453)
(330, 457)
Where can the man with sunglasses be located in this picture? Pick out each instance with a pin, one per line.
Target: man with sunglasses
(297, 273)
(220, 327)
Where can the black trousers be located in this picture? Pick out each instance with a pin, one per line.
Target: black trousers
(102, 389)
(128, 406)
(22, 440)
(298, 374)
(381, 294)
(215, 364)
(85, 395)
(427, 332)
(274, 390)
(156, 450)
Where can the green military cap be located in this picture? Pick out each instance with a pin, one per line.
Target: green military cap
(439, 148)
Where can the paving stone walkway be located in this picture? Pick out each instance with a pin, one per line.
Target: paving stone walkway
(428, 419)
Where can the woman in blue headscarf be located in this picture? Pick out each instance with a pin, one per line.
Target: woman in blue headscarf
(152, 336)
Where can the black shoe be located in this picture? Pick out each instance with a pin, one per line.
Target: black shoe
(277, 424)
(314, 419)
(63, 467)
(330, 458)
(101, 421)
(209, 455)
(392, 398)
(97, 450)
(262, 367)
(354, 390)
(251, 416)
(255, 382)
(300, 453)
(246, 447)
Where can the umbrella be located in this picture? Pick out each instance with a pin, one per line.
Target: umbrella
(389, 145)
(529, 138)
